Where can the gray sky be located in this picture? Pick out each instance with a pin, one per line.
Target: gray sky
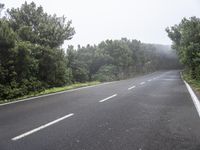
(97, 20)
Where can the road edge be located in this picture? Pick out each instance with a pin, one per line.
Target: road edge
(56, 93)
(193, 95)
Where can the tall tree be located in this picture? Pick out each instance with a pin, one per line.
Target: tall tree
(186, 40)
(30, 55)
(36, 26)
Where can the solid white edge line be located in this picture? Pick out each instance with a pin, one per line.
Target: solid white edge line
(41, 127)
(194, 97)
(36, 97)
(105, 99)
(131, 87)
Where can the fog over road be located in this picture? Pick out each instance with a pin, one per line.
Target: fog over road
(150, 112)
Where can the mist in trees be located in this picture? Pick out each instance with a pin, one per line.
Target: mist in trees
(31, 57)
(119, 59)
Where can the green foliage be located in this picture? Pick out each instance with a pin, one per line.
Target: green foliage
(7, 53)
(194, 82)
(49, 90)
(186, 41)
(30, 55)
(118, 59)
(7, 36)
(106, 73)
(34, 25)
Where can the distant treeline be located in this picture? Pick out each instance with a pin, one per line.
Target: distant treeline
(186, 41)
(118, 59)
(31, 57)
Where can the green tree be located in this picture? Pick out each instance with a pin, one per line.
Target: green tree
(7, 57)
(30, 55)
(36, 26)
(106, 73)
(185, 37)
(7, 53)
(79, 67)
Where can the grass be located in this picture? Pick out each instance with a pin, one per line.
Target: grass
(54, 90)
(194, 83)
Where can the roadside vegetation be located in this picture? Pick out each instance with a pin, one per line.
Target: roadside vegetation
(186, 41)
(53, 90)
(193, 82)
(32, 60)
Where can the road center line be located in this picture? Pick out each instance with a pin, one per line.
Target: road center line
(131, 87)
(41, 127)
(107, 98)
(150, 80)
(142, 83)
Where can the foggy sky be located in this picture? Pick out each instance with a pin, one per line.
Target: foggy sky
(97, 20)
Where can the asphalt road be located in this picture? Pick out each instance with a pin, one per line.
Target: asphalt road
(151, 112)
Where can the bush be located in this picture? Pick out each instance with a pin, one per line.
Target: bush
(106, 73)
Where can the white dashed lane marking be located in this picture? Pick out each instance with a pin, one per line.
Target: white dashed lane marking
(131, 87)
(105, 99)
(142, 83)
(41, 127)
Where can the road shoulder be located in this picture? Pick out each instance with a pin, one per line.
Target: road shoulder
(193, 93)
